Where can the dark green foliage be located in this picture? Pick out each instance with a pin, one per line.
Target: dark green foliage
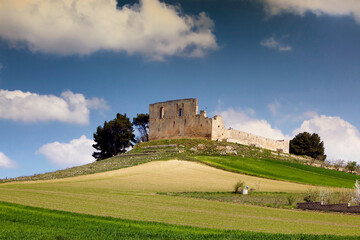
(309, 145)
(351, 166)
(141, 122)
(113, 138)
(22, 222)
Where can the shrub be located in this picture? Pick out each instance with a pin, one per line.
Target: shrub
(312, 195)
(291, 199)
(345, 196)
(239, 186)
(351, 166)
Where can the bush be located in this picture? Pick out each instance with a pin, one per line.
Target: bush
(239, 186)
(345, 196)
(312, 195)
(291, 199)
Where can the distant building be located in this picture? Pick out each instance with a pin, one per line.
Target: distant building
(180, 119)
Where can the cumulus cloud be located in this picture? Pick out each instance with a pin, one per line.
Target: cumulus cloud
(6, 162)
(319, 7)
(31, 107)
(273, 43)
(341, 139)
(65, 27)
(76, 152)
(240, 120)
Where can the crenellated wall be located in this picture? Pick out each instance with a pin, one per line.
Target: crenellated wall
(180, 119)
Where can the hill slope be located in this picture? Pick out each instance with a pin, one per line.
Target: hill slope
(130, 193)
(227, 156)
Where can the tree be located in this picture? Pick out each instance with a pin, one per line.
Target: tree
(141, 122)
(113, 138)
(339, 164)
(351, 166)
(309, 145)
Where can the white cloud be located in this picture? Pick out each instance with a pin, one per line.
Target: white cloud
(319, 7)
(341, 139)
(241, 121)
(271, 42)
(65, 27)
(77, 152)
(97, 104)
(31, 107)
(6, 162)
(274, 107)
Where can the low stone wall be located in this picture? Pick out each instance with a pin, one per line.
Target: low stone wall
(320, 206)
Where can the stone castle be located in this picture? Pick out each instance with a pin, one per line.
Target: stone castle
(181, 119)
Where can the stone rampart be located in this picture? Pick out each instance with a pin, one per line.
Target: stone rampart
(180, 119)
(244, 138)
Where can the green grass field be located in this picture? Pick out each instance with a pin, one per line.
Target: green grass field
(282, 170)
(21, 222)
(130, 193)
(124, 203)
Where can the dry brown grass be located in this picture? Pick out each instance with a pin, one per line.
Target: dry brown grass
(175, 175)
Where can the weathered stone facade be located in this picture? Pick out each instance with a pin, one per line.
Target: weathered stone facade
(180, 119)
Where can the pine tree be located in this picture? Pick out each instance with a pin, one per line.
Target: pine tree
(114, 137)
(309, 145)
(141, 122)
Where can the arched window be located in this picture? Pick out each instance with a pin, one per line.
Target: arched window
(162, 112)
(180, 112)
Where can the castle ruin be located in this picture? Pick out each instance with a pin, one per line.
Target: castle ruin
(181, 119)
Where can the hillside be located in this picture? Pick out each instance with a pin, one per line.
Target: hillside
(131, 193)
(167, 182)
(227, 156)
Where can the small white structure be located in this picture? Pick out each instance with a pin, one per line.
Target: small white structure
(245, 190)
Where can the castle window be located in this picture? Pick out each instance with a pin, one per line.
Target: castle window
(180, 112)
(162, 112)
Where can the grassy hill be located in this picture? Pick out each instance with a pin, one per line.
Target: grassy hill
(227, 156)
(126, 204)
(131, 193)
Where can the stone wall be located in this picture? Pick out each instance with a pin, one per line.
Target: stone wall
(253, 140)
(320, 206)
(180, 119)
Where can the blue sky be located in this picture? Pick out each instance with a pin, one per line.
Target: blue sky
(270, 67)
